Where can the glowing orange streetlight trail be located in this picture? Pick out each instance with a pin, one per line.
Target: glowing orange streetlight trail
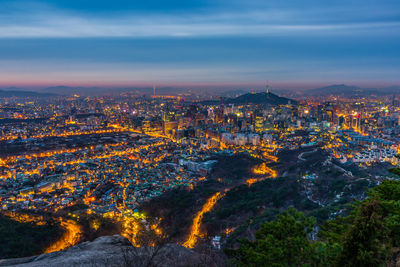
(195, 229)
(70, 238)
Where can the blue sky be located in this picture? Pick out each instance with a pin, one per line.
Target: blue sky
(126, 43)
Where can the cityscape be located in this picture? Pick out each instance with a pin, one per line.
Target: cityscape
(111, 155)
(199, 136)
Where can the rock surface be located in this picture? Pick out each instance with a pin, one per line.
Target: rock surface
(114, 251)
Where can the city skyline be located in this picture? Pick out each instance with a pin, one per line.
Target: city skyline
(199, 133)
(213, 43)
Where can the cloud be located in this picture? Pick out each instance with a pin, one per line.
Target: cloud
(47, 22)
(44, 43)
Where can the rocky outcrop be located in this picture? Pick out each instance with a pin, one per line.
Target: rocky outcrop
(115, 251)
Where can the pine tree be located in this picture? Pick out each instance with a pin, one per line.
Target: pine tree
(283, 242)
(365, 242)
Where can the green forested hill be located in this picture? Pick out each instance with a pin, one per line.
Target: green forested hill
(369, 236)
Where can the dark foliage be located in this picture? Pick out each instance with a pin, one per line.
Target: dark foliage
(26, 239)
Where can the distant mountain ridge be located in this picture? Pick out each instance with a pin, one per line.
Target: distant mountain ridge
(18, 93)
(233, 95)
(255, 98)
(68, 90)
(261, 98)
(342, 89)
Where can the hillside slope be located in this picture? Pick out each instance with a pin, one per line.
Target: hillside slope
(115, 251)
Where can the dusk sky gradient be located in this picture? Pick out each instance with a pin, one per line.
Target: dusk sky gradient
(132, 43)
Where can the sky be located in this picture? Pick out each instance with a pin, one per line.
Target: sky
(291, 43)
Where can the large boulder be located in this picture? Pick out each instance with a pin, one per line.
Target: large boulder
(114, 251)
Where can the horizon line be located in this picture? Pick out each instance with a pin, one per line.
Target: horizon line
(199, 85)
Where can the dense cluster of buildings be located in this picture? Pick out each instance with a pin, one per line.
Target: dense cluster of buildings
(112, 153)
